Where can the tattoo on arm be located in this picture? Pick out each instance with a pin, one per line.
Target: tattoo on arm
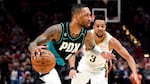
(53, 32)
(89, 41)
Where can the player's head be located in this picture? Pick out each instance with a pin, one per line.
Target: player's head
(99, 25)
(81, 15)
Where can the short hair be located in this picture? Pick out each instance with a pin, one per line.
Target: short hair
(99, 17)
(76, 8)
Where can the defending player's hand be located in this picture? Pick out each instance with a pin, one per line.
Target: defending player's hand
(108, 55)
(136, 78)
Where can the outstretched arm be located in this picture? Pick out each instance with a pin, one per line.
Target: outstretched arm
(53, 32)
(115, 44)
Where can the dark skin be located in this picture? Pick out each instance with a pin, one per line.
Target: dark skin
(79, 20)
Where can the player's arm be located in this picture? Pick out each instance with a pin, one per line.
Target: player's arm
(89, 41)
(92, 47)
(72, 69)
(122, 51)
(72, 59)
(116, 45)
(72, 66)
(53, 32)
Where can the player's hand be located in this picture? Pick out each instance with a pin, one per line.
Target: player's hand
(72, 73)
(108, 55)
(36, 50)
(136, 78)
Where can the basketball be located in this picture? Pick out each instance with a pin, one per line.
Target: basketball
(139, 78)
(43, 63)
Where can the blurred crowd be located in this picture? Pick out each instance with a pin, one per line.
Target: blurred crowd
(20, 23)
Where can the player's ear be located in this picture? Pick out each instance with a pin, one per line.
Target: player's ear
(74, 17)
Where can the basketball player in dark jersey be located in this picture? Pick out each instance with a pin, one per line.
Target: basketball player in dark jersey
(65, 48)
(67, 39)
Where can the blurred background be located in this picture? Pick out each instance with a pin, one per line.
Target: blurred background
(21, 21)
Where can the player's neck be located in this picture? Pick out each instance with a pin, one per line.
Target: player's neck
(74, 29)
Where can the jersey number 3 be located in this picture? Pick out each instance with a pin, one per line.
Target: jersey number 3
(92, 59)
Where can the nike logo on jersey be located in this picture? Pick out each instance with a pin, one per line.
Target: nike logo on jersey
(69, 47)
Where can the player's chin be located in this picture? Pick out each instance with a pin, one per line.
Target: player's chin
(99, 34)
(88, 25)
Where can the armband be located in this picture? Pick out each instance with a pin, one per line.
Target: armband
(96, 50)
(73, 68)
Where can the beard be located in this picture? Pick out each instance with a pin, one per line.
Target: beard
(99, 35)
(86, 25)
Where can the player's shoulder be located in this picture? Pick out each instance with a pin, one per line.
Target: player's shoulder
(55, 27)
(58, 25)
(108, 34)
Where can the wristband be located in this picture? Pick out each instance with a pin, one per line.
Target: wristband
(72, 68)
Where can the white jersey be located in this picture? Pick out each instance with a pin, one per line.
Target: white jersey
(92, 62)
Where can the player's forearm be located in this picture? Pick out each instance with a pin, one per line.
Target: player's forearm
(125, 54)
(89, 41)
(71, 61)
(31, 46)
(132, 64)
(41, 40)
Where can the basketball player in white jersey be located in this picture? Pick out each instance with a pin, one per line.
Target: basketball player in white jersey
(92, 66)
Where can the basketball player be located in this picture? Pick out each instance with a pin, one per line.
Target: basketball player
(65, 39)
(92, 66)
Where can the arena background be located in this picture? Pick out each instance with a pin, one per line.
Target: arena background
(22, 20)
